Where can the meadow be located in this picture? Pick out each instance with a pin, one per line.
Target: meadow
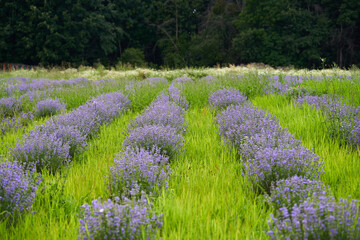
(180, 154)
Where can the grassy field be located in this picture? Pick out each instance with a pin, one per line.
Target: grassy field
(207, 196)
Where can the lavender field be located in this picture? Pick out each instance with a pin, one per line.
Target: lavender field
(230, 153)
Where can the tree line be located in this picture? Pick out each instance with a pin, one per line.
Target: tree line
(179, 33)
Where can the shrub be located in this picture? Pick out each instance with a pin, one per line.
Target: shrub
(295, 190)
(320, 218)
(133, 56)
(165, 138)
(42, 150)
(139, 171)
(49, 107)
(112, 220)
(176, 97)
(223, 98)
(9, 107)
(271, 165)
(243, 121)
(161, 112)
(68, 134)
(17, 189)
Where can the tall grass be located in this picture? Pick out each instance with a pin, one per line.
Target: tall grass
(341, 161)
(208, 198)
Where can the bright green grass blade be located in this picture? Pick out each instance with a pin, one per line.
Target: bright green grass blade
(208, 198)
(342, 163)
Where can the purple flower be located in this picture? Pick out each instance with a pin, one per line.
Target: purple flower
(139, 171)
(225, 97)
(17, 189)
(9, 107)
(295, 190)
(156, 80)
(49, 107)
(177, 97)
(55, 143)
(344, 120)
(165, 138)
(112, 220)
(163, 112)
(320, 218)
(182, 80)
(268, 152)
(271, 165)
(208, 79)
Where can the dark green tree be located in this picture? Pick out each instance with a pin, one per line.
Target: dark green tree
(281, 32)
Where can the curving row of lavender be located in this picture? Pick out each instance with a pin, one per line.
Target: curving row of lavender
(344, 119)
(54, 143)
(287, 173)
(140, 172)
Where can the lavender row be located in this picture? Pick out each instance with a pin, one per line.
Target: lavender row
(278, 84)
(23, 85)
(18, 187)
(139, 173)
(344, 119)
(278, 165)
(55, 142)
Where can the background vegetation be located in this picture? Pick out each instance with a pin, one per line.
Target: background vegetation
(178, 33)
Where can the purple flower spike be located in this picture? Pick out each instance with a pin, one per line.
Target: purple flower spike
(112, 220)
(139, 171)
(161, 112)
(17, 189)
(295, 190)
(320, 218)
(223, 98)
(49, 107)
(165, 138)
(9, 107)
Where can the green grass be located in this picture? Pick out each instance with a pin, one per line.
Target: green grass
(341, 162)
(208, 198)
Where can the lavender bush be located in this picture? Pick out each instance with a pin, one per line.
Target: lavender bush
(9, 107)
(139, 171)
(112, 220)
(13, 123)
(17, 189)
(321, 218)
(156, 80)
(49, 107)
(165, 138)
(182, 80)
(295, 190)
(43, 150)
(68, 134)
(208, 79)
(275, 137)
(271, 165)
(161, 112)
(225, 97)
(344, 120)
(243, 121)
(177, 97)
(95, 113)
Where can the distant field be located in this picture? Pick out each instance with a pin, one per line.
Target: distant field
(210, 192)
